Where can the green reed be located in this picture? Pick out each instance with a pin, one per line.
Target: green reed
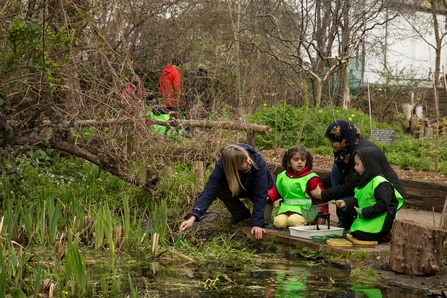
(27, 222)
(41, 226)
(37, 281)
(133, 290)
(108, 222)
(10, 221)
(54, 214)
(2, 274)
(99, 230)
(116, 281)
(126, 221)
(75, 271)
(161, 220)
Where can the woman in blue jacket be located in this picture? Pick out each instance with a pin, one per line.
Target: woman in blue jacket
(240, 172)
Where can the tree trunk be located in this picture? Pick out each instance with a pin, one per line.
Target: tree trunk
(346, 92)
(318, 89)
(416, 249)
(443, 220)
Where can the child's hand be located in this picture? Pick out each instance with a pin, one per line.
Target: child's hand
(277, 202)
(340, 204)
(321, 221)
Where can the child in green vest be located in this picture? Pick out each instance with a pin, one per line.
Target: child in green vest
(376, 200)
(296, 186)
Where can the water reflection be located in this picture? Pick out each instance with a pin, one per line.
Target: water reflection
(279, 277)
(271, 276)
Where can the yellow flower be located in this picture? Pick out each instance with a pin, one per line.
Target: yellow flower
(320, 111)
(265, 104)
(349, 118)
(352, 115)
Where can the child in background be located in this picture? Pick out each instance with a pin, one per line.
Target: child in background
(376, 200)
(296, 186)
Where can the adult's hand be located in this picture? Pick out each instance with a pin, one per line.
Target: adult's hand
(316, 193)
(187, 223)
(340, 203)
(257, 231)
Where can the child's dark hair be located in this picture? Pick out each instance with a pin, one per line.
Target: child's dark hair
(288, 155)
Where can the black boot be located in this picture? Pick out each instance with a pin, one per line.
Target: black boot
(345, 224)
(245, 215)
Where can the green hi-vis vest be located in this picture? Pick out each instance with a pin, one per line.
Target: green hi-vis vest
(365, 197)
(293, 192)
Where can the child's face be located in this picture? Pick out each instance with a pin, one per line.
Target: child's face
(297, 162)
(358, 165)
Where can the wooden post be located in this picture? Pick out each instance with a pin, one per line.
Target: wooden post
(251, 139)
(416, 249)
(443, 219)
(198, 170)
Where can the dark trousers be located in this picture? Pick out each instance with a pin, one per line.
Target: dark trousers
(347, 215)
(234, 204)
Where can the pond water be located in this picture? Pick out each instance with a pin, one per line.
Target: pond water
(280, 277)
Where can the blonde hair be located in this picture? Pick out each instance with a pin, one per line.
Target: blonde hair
(232, 157)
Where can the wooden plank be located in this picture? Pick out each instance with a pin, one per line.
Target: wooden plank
(284, 237)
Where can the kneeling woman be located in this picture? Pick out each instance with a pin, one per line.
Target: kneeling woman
(376, 200)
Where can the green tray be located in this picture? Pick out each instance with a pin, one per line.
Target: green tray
(322, 239)
(319, 239)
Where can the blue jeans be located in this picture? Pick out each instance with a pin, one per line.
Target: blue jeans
(342, 215)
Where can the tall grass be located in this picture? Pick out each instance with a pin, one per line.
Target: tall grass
(75, 271)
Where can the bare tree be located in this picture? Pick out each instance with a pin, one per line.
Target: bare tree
(315, 39)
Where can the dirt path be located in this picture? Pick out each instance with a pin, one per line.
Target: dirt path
(435, 285)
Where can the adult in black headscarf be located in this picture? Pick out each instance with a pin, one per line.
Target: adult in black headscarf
(344, 138)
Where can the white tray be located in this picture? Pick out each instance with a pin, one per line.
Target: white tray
(307, 231)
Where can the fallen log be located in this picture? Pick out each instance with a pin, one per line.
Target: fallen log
(231, 125)
(416, 249)
(427, 195)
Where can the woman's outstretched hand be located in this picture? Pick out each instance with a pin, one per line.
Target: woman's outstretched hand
(187, 223)
(257, 231)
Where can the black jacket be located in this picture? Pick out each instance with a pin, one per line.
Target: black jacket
(352, 179)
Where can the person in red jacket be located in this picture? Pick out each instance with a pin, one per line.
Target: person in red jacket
(133, 96)
(170, 86)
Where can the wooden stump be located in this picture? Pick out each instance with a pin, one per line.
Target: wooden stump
(416, 249)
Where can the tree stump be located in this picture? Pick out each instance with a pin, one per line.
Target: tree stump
(416, 249)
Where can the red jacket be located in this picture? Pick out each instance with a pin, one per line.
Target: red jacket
(170, 86)
(132, 99)
(131, 95)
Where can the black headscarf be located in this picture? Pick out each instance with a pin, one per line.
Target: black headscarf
(348, 135)
(372, 159)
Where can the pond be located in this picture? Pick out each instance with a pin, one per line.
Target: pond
(279, 277)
